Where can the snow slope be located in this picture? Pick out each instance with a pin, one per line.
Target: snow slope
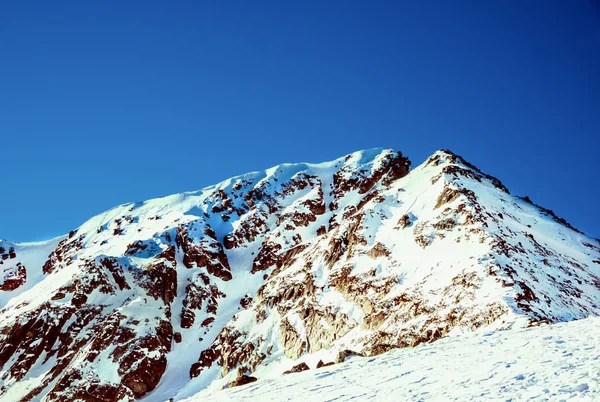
(29, 256)
(547, 363)
(292, 265)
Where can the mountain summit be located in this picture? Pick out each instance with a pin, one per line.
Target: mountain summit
(282, 270)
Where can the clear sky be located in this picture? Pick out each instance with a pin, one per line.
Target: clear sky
(103, 103)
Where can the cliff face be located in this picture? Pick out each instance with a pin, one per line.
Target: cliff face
(274, 270)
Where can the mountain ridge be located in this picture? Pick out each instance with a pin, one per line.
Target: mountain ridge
(287, 164)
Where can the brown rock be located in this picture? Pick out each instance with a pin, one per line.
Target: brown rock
(17, 276)
(187, 318)
(321, 364)
(242, 380)
(78, 299)
(378, 250)
(58, 296)
(404, 221)
(297, 368)
(246, 301)
(344, 354)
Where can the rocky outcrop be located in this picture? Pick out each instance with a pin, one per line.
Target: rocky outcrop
(12, 274)
(201, 249)
(242, 380)
(63, 254)
(297, 368)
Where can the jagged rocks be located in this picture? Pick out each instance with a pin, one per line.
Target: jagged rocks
(203, 251)
(267, 257)
(344, 354)
(404, 221)
(447, 196)
(245, 301)
(445, 224)
(63, 254)
(321, 364)
(393, 166)
(187, 318)
(422, 237)
(455, 169)
(58, 296)
(242, 380)
(78, 299)
(207, 358)
(146, 375)
(297, 368)
(12, 277)
(293, 343)
(160, 280)
(250, 227)
(117, 271)
(7, 254)
(378, 250)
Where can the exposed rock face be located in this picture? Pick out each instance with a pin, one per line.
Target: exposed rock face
(297, 368)
(321, 364)
(351, 257)
(243, 380)
(12, 272)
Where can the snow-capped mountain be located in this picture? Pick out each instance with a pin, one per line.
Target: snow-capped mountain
(283, 270)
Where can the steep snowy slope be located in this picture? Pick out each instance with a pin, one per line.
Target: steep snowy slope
(265, 271)
(548, 363)
(21, 266)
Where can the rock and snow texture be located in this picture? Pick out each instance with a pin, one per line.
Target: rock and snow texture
(548, 363)
(275, 270)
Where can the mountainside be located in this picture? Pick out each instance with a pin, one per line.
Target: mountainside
(275, 270)
(547, 363)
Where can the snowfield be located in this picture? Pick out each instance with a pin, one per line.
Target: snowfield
(547, 363)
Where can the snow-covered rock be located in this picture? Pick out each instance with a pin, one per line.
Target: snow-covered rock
(274, 271)
(547, 363)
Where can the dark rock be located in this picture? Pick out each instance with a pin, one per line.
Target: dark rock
(321, 364)
(297, 368)
(246, 301)
(78, 299)
(404, 221)
(242, 380)
(344, 354)
(58, 296)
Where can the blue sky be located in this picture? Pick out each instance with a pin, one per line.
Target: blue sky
(107, 103)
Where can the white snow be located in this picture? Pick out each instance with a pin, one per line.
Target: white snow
(547, 363)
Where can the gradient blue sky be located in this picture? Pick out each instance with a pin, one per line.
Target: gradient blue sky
(106, 103)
